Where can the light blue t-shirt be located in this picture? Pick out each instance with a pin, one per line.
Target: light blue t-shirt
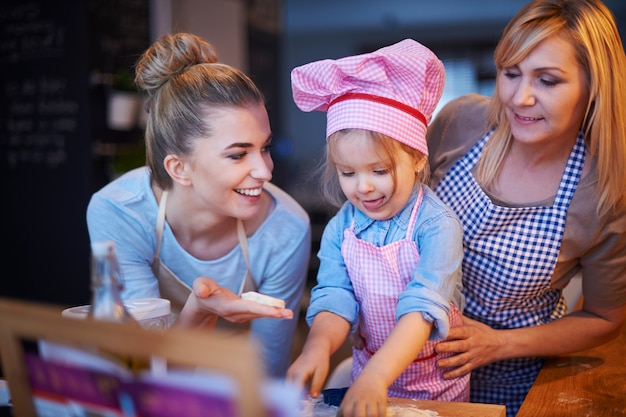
(125, 211)
(436, 280)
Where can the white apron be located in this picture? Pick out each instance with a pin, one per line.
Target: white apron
(379, 275)
(509, 258)
(175, 290)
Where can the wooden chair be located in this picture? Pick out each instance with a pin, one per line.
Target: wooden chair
(26, 321)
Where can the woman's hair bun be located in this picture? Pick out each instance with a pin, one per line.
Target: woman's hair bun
(171, 55)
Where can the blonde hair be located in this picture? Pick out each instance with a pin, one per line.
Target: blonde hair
(387, 148)
(590, 26)
(184, 82)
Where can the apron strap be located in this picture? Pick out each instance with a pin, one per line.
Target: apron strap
(416, 207)
(247, 283)
(160, 222)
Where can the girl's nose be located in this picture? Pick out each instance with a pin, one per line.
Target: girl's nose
(364, 185)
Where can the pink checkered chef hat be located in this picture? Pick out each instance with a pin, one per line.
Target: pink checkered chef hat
(393, 91)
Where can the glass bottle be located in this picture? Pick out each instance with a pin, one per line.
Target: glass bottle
(106, 301)
(106, 285)
(106, 304)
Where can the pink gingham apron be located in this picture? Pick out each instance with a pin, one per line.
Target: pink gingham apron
(379, 275)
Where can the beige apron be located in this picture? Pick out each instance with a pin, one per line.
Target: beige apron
(175, 290)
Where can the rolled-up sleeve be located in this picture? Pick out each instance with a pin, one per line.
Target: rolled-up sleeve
(437, 280)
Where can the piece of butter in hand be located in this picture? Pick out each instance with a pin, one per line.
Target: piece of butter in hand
(263, 299)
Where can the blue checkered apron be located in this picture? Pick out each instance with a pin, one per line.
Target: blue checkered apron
(509, 258)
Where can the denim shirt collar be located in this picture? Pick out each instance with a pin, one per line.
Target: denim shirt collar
(400, 219)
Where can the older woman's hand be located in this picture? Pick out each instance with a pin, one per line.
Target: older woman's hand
(209, 300)
(475, 345)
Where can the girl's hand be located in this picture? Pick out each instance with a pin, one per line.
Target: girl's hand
(208, 300)
(311, 366)
(475, 345)
(328, 331)
(366, 397)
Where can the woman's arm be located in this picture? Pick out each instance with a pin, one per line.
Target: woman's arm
(110, 219)
(599, 320)
(477, 345)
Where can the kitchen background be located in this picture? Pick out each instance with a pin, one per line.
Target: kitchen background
(65, 67)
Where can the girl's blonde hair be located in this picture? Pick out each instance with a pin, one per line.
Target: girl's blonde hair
(590, 26)
(184, 82)
(387, 148)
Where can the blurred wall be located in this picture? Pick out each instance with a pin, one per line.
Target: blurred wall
(221, 22)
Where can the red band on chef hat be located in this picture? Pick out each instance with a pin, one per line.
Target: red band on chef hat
(393, 91)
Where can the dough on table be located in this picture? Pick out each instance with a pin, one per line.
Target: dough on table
(263, 299)
(409, 412)
(315, 407)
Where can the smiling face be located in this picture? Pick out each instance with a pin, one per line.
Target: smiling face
(228, 169)
(366, 176)
(545, 95)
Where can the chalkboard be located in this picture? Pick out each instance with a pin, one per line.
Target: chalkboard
(44, 134)
(44, 85)
(49, 52)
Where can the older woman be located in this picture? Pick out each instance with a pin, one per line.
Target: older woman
(536, 175)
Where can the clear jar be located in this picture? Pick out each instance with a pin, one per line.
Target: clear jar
(150, 313)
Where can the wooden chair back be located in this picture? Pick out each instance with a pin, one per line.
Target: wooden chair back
(233, 355)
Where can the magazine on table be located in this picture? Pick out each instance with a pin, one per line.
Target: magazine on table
(71, 382)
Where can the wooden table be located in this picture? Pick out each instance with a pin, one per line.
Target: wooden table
(453, 409)
(591, 383)
(397, 405)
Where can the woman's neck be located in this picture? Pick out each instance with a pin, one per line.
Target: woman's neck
(201, 232)
(530, 173)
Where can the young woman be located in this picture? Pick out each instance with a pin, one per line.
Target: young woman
(536, 175)
(203, 213)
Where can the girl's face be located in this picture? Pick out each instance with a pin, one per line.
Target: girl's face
(228, 169)
(545, 95)
(367, 180)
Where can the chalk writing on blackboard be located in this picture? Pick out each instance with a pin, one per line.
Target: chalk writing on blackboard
(39, 119)
(40, 106)
(28, 32)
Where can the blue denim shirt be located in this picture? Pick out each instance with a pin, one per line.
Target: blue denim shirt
(436, 281)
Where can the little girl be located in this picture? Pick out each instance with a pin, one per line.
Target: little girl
(390, 259)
